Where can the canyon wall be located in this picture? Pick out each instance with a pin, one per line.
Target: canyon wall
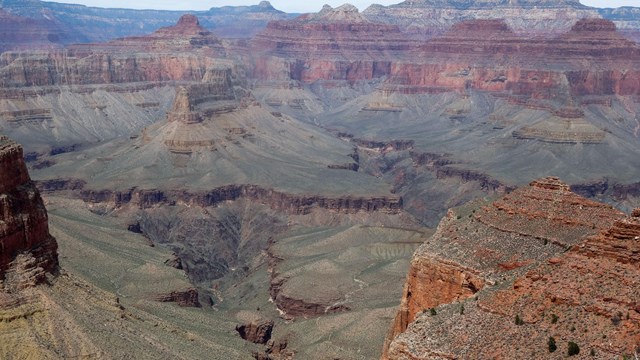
(479, 245)
(27, 250)
(583, 301)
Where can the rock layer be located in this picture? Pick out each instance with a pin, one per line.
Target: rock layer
(586, 296)
(334, 44)
(477, 246)
(27, 249)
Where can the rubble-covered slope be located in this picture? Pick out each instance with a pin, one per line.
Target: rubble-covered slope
(512, 280)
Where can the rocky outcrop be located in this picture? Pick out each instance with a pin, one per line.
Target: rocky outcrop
(257, 332)
(186, 298)
(473, 55)
(479, 245)
(289, 203)
(93, 24)
(17, 32)
(184, 52)
(585, 296)
(334, 44)
(27, 250)
(431, 17)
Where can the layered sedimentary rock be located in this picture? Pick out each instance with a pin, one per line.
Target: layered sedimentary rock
(591, 59)
(17, 32)
(334, 44)
(27, 249)
(92, 24)
(429, 17)
(478, 246)
(257, 331)
(183, 52)
(281, 201)
(95, 92)
(586, 296)
(186, 298)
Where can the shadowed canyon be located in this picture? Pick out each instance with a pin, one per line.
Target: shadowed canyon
(434, 179)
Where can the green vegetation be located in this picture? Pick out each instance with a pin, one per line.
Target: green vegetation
(552, 344)
(573, 349)
(519, 321)
(433, 312)
(554, 318)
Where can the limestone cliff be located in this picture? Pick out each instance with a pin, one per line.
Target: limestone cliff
(429, 17)
(27, 250)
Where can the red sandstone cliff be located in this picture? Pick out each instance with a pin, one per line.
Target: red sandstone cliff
(587, 296)
(591, 59)
(184, 52)
(478, 246)
(27, 251)
(334, 44)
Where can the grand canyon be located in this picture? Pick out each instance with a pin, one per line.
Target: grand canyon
(434, 179)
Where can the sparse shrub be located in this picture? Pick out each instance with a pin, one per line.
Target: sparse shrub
(573, 328)
(573, 349)
(616, 319)
(433, 312)
(519, 321)
(554, 318)
(593, 352)
(552, 344)
(461, 309)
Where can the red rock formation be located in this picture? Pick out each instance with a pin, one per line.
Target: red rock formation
(289, 203)
(17, 32)
(476, 246)
(335, 44)
(186, 298)
(587, 296)
(185, 52)
(258, 332)
(27, 250)
(485, 54)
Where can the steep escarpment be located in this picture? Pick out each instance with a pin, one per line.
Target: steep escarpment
(28, 251)
(487, 55)
(478, 246)
(289, 203)
(168, 54)
(95, 92)
(94, 24)
(17, 32)
(585, 296)
(334, 44)
(433, 17)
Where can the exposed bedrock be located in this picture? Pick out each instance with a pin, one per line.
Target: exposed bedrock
(481, 244)
(334, 44)
(586, 296)
(289, 203)
(27, 250)
(473, 55)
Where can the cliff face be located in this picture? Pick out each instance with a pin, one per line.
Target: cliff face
(478, 246)
(27, 249)
(334, 44)
(487, 55)
(93, 24)
(433, 17)
(18, 32)
(587, 296)
(184, 52)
